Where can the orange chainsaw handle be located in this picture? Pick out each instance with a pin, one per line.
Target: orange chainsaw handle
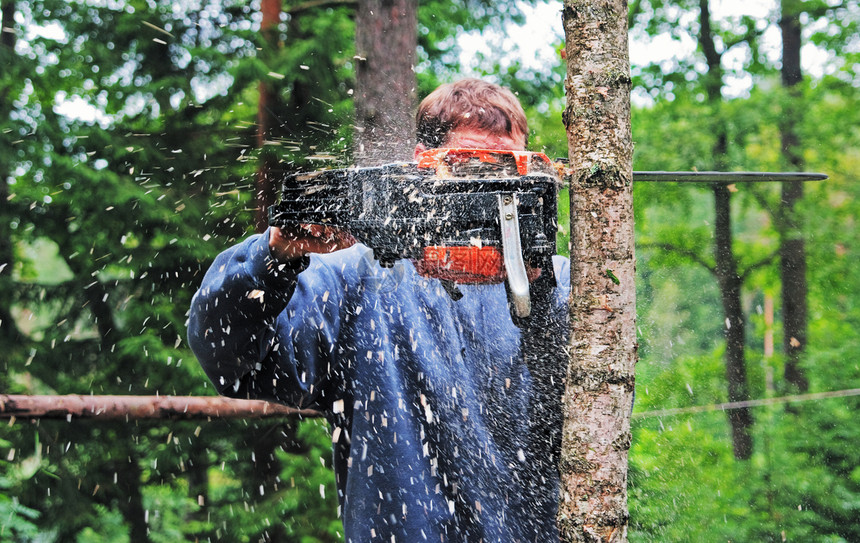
(469, 264)
(435, 158)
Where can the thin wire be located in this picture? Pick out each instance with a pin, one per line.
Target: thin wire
(748, 403)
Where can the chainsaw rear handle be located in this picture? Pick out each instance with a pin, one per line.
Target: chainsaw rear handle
(440, 160)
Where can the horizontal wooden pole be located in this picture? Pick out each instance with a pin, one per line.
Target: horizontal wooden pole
(105, 408)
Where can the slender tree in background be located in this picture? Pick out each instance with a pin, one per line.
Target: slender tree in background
(726, 268)
(385, 82)
(8, 88)
(789, 223)
(723, 264)
(265, 440)
(704, 89)
(600, 379)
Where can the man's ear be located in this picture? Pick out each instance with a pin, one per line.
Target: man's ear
(419, 148)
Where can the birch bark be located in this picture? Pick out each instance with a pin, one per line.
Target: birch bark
(599, 384)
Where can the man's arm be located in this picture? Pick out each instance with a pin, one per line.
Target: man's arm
(290, 244)
(246, 342)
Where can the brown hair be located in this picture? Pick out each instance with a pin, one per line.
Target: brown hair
(469, 103)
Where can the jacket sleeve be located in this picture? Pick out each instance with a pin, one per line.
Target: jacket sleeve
(265, 330)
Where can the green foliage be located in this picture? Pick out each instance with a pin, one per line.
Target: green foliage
(114, 222)
(111, 216)
(800, 484)
(17, 521)
(439, 23)
(299, 505)
(109, 222)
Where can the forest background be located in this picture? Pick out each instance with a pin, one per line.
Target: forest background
(109, 222)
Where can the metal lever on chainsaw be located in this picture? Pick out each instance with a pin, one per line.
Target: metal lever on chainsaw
(512, 253)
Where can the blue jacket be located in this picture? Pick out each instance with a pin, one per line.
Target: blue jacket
(428, 397)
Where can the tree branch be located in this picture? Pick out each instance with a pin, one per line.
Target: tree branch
(761, 198)
(686, 253)
(760, 264)
(748, 37)
(141, 407)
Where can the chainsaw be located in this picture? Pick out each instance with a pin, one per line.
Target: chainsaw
(464, 216)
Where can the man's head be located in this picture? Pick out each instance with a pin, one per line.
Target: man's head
(471, 114)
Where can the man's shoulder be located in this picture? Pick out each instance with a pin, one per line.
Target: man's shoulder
(349, 266)
(561, 267)
(355, 257)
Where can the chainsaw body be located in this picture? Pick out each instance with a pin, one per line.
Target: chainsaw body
(462, 215)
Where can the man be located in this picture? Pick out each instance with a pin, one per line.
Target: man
(429, 397)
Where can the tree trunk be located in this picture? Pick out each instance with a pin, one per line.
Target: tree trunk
(386, 38)
(197, 474)
(129, 481)
(265, 190)
(792, 248)
(9, 332)
(599, 384)
(728, 278)
(740, 420)
(265, 439)
(7, 49)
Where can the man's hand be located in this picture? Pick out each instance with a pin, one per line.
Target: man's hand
(293, 242)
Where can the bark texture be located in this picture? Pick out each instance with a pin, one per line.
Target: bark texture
(141, 407)
(130, 485)
(729, 281)
(8, 328)
(726, 265)
(792, 248)
(386, 37)
(265, 187)
(599, 384)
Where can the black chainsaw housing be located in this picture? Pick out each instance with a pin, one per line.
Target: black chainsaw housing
(399, 209)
